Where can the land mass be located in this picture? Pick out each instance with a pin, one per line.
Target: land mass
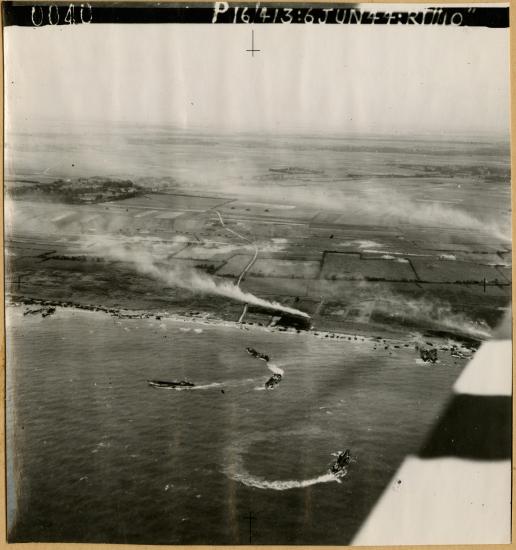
(425, 257)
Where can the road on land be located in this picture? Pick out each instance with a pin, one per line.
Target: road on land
(255, 255)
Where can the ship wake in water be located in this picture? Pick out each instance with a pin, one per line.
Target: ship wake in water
(282, 485)
(238, 472)
(275, 369)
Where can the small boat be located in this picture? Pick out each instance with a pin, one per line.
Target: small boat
(428, 355)
(340, 464)
(165, 384)
(48, 311)
(257, 354)
(273, 381)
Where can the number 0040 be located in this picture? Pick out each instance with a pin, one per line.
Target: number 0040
(51, 15)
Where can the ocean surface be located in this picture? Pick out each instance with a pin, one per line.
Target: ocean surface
(97, 455)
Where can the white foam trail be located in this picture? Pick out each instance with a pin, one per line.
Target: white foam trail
(229, 384)
(236, 470)
(207, 386)
(283, 485)
(275, 369)
(201, 387)
(420, 361)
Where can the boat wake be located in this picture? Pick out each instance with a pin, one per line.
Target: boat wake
(228, 384)
(274, 368)
(202, 386)
(277, 375)
(283, 485)
(192, 388)
(237, 471)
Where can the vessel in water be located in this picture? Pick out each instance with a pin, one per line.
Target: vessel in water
(257, 354)
(273, 381)
(172, 384)
(343, 459)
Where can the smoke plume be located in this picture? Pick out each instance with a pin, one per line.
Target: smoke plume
(433, 313)
(188, 278)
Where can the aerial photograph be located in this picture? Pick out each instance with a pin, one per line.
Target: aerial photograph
(240, 290)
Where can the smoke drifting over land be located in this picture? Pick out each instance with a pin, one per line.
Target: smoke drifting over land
(430, 312)
(187, 278)
(376, 204)
(413, 311)
(423, 312)
(104, 235)
(382, 206)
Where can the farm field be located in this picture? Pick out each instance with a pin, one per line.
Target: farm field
(425, 231)
(338, 258)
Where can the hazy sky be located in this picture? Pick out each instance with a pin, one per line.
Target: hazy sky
(306, 78)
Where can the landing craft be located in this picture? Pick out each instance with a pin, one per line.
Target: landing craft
(340, 464)
(428, 355)
(257, 354)
(165, 384)
(273, 381)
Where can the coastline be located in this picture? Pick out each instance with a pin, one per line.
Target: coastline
(443, 342)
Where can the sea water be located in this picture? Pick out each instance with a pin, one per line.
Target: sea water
(97, 455)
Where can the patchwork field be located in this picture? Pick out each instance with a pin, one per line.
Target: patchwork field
(451, 271)
(360, 233)
(353, 266)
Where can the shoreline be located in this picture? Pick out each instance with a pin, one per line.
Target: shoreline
(413, 338)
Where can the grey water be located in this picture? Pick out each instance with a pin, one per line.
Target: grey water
(97, 455)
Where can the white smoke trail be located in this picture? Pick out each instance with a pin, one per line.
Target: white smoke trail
(395, 208)
(436, 215)
(430, 312)
(189, 278)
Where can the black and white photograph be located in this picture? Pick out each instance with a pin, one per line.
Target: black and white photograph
(258, 273)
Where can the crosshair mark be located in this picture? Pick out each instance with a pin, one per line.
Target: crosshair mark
(252, 50)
